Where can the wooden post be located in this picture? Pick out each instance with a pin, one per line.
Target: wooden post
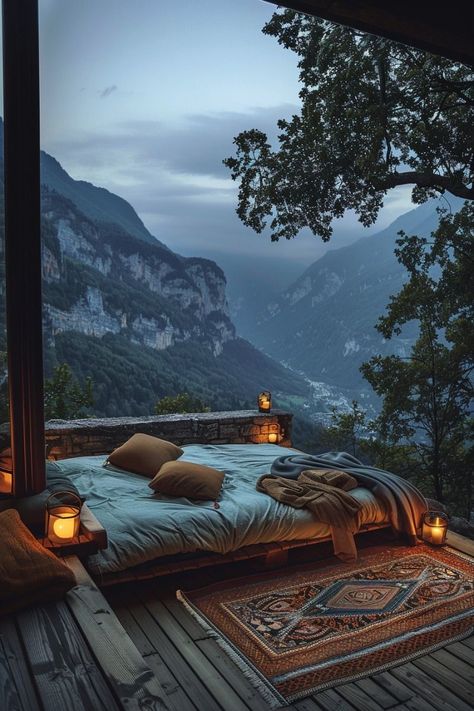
(23, 243)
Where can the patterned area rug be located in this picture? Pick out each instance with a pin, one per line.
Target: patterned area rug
(295, 633)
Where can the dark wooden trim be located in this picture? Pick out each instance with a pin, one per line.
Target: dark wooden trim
(440, 28)
(23, 243)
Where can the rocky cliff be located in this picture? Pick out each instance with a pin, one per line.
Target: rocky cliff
(99, 279)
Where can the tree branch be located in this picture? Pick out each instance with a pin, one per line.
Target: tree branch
(428, 180)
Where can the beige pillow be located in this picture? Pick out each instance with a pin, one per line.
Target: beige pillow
(144, 454)
(194, 481)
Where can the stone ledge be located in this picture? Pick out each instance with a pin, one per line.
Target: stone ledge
(88, 437)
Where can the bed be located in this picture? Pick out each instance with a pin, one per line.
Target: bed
(144, 527)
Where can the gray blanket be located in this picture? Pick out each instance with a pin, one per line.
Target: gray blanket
(403, 500)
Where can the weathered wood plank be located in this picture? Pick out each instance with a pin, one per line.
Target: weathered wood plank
(429, 689)
(131, 679)
(232, 674)
(469, 642)
(219, 688)
(189, 680)
(461, 651)
(329, 700)
(377, 693)
(308, 704)
(9, 696)
(215, 654)
(175, 698)
(459, 685)
(92, 527)
(358, 698)
(461, 543)
(394, 686)
(18, 678)
(459, 666)
(64, 671)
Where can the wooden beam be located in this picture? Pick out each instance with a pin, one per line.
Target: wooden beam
(440, 28)
(131, 680)
(23, 243)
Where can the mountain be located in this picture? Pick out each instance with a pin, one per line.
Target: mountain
(140, 320)
(322, 326)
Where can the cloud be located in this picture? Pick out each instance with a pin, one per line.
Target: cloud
(173, 176)
(108, 91)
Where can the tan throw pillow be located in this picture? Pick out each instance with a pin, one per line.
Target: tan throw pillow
(194, 481)
(144, 454)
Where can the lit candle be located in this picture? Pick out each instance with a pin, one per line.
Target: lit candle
(437, 533)
(64, 526)
(435, 525)
(273, 438)
(63, 517)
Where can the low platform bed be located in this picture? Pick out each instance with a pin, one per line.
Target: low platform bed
(151, 534)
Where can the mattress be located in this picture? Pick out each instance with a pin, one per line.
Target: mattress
(143, 526)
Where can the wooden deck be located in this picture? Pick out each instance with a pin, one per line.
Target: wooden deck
(75, 654)
(196, 675)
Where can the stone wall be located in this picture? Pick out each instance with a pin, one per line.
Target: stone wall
(75, 438)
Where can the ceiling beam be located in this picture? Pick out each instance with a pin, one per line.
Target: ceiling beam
(442, 28)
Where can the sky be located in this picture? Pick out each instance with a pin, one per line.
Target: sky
(144, 97)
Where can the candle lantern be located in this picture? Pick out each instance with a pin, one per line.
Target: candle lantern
(274, 434)
(6, 482)
(63, 517)
(435, 527)
(265, 401)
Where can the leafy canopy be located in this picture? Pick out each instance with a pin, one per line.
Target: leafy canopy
(427, 397)
(374, 115)
(64, 397)
(180, 403)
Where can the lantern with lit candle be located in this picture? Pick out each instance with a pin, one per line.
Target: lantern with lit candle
(435, 527)
(265, 401)
(274, 434)
(63, 517)
(6, 482)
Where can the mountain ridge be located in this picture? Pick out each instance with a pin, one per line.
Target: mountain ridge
(323, 324)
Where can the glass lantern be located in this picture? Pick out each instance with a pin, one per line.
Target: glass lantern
(63, 517)
(265, 401)
(435, 527)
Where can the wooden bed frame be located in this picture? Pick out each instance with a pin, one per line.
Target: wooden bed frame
(265, 555)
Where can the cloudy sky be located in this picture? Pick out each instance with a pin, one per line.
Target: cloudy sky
(144, 98)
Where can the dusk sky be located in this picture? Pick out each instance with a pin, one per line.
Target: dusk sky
(144, 98)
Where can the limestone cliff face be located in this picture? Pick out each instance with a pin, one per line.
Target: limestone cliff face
(98, 279)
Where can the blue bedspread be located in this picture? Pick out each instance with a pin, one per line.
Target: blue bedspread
(142, 526)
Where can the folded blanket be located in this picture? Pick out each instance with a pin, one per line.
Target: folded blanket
(29, 573)
(405, 504)
(323, 492)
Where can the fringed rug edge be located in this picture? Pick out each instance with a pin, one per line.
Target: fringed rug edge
(381, 668)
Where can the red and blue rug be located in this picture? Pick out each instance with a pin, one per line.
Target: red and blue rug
(297, 632)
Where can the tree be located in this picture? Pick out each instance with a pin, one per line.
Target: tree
(427, 396)
(64, 397)
(346, 430)
(181, 403)
(375, 115)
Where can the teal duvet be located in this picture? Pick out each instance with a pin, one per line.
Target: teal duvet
(143, 526)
